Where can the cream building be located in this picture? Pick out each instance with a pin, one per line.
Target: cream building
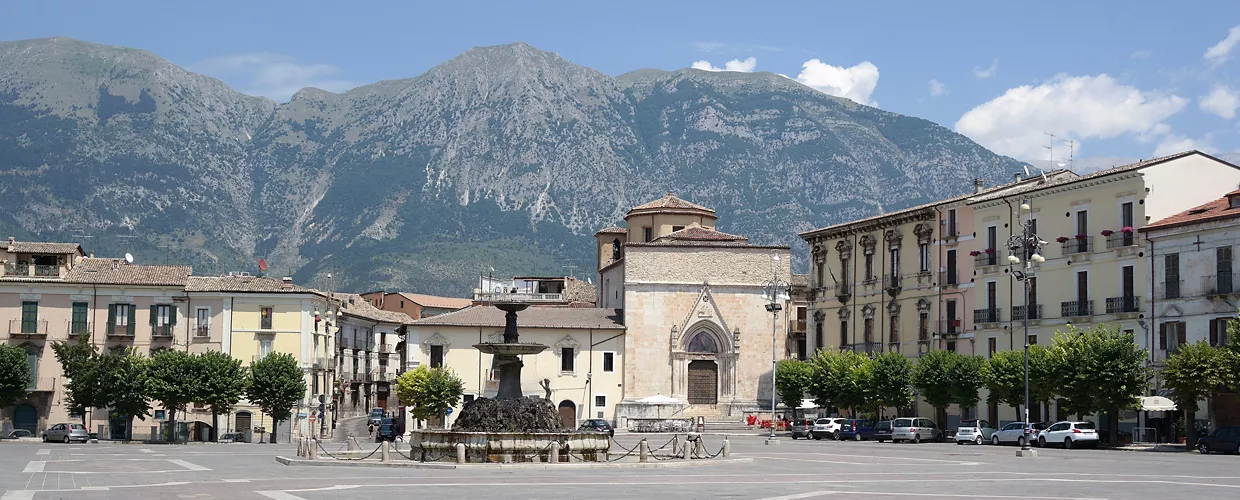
(1194, 288)
(584, 363)
(694, 307)
(370, 351)
(1097, 261)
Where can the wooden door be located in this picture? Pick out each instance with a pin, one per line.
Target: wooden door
(703, 382)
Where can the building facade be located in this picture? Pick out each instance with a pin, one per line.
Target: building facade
(415, 305)
(370, 356)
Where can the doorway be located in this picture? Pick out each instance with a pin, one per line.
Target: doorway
(703, 382)
(244, 426)
(568, 414)
(25, 416)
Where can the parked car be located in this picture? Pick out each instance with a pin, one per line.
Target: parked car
(231, 437)
(882, 431)
(1018, 433)
(857, 430)
(1224, 439)
(915, 430)
(376, 417)
(802, 428)
(828, 428)
(386, 430)
(974, 431)
(598, 425)
(66, 433)
(18, 433)
(1069, 434)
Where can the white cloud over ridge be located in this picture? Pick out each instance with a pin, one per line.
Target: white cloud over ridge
(1219, 53)
(987, 72)
(746, 65)
(1071, 107)
(275, 76)
(856, 82)
(937, 88)
(1221, 100)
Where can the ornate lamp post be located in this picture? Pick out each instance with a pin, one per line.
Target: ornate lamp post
(776, 291)
(1030, 246)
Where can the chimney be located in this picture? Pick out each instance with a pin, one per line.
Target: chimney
(977, 186)
(286, 282)
(1017, 176)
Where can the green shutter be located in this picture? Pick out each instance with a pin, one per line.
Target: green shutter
(111, 318)
(133, 318)
(154, 314)
(172, 315)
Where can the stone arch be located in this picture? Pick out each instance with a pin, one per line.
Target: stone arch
(868, 242)
(567, 410)
(844, 248)
(893, 308)
(704, 363)
(893, 238)
(616, 252)
(845, 313)
(705, 330)
(923, 305)
(867, 312)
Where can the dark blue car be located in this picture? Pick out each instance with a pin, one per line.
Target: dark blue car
(857, 430)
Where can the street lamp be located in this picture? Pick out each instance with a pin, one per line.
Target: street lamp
(776, 291)
(1030, 245)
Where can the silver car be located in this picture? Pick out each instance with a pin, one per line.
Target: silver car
(974, 431)
(66, 433)
(915, 430)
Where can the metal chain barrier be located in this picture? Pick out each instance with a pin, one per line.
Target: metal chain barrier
(371, 454)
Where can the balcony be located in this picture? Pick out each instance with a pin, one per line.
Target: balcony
(518, 297)
(320, 363)
(950, 327)
(1078, 247)
(202, 331)
(1170, 289)
(115, 330)
(1120, 239)
(893, 283)
(797, 326)
(923, 347)
(163, 332)
(385, 348)
(1018, 312)
(948, 279)
(1123, 305)
(987, 260)
(27, 328)
(75, 328)
(1220, 284)
(865, 347)
(989, 315)
(1076, 308)
(42, 384)
(843, 291)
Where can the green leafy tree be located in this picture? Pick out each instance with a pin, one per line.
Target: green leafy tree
(173, 379)
(1193, 373)
(1004, 378)
(892, 381)
(224, 382)
(841, 379)
(967, 373)
(1043, 367)
(933, 379)
(792, 379)
(15, 380)
(1101, 370)
(79, 361)
(125, 377)
(276, 384)
(429, 391)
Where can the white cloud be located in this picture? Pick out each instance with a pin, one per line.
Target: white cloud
(746, 65)
(856, 82)
(937, 88)
(1071, 107)
(1219, 53)
(1173, 143)
(1221, 100)
(715, 47)
(1140, 54)
(276, 76)
(987, 72)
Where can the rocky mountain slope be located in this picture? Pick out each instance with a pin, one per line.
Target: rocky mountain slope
(506, 157)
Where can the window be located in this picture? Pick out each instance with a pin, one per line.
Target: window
(600, 401)
(1032, 340)
(1082, 286)
(923, 326)
(677, 228)
(1223, 277)
(951, 267)
(869, 330)
(1082, 228)
(609, 362)
(1033, 229)
(1032, 313)
(869, 266)
(951, 345)
(30, 317)
(436, 356)
(843, 333)
(79, 320)
(32, 363)
(923, 257)
(817, 334)
(161, 315)
(992, 244)
(648, 233)
(121, 317)
(567, 359)
(1126, 220)
(202, 327)
(893, 335)
(992, 346)
(1218, 331)
(818, 268)
(895, 261)
(952, 326)
(265, 318)
(1171, 270)
(264, 348)
(1171, 335)
(951, 223)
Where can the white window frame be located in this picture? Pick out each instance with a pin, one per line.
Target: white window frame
(122, 313)
(163, 314)
(613, 361)
(595, 402)
(198, 324)
(265, 347)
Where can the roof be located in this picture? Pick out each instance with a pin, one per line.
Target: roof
(245, 284)
(1101, 173)
(580, 318)
(436, 301)
(800, 280)
(613, 230)
(1215, 210)
(42, 247)
(699, 233)
(119, 272)
(354, 305)
(670, 203)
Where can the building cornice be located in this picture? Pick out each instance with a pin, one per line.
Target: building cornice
(870, 225)
(1055, 190)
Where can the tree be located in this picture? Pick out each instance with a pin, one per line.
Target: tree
(1043, 367)
(1004, 378)
(79, 361)
(1193, 373)
(933, 379)
(841, 379)
(1101, 369)
(792, 379)
(124, 379)
(892, 381)
(224, 382)
(173, 378)
(429, 391)
(967, 373)
(276, 384)
(15, 380)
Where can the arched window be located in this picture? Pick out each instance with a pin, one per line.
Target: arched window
(615, 249)
(703, 342)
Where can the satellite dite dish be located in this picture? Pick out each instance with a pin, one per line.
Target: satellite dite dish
(1026, 170)
(262, 265)
(129, 257)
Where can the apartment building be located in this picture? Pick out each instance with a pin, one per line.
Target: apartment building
(1096, 257)
(1194, 288)
(370, 356)
(415, 305)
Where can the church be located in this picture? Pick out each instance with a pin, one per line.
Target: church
(694, 306)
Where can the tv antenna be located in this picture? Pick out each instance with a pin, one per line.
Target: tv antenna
(572, 268)
(1050, 147)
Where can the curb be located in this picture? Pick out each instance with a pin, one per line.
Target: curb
(527, 466)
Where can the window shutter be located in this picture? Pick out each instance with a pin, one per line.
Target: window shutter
(1214, 332)
(1183, 335)
(1162, 336)
(172, 315)
(154, 315)
(133, 318)
(111, 318)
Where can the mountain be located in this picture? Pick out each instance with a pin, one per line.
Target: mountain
(506, 157)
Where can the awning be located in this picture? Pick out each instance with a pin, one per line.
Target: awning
(1157, 403)
(659, 400)
(807, 404)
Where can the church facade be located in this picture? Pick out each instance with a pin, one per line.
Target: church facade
(694, 307)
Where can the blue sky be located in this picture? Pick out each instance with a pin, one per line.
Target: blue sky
(1128, 79)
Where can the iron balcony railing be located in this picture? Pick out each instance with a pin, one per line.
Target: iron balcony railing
(43, 270)
(1220, 284)
(28, 328)
(797, 325)
(865, 347)
(115, 330)
(76, 328)
(1035, 312)
(843, 291)
(385, 348)
(1076, 308)
(161, 331)
(518, 297)
(948, 279)
(986, 259)
(989, 315)
(202, 331)
(950, 327)
(1125, 304)
(893, 282)
(1170, 289)
(1078, 245)
(1121, 239)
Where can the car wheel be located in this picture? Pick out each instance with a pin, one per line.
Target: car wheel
(977, 440)
(1067, 443)
(857, 437)
(916, 438)
(994, 440)
(835, 435)
(811, 436)
(959, 442)
(66, 439)
(1041, 442)
(794, 436)
(45, 438)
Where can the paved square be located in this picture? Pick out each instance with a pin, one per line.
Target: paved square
(789, 471)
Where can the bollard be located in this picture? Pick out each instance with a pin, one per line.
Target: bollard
(699, 448)
(301, 448)
(727, 448)
(555, 452)
(385, 454)
(676, 445)
(460, 453)
(684, 451)
(643, 451)
(353, 446)
(313, 452)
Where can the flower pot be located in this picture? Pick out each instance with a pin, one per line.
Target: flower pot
(1181, 440)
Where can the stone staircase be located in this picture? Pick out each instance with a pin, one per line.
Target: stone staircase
(716, 417)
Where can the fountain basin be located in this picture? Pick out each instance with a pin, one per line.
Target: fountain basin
(500, 447)
(510, 348)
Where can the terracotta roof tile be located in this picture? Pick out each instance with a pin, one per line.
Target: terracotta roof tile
(1219, 209)
(353, 304)
(43, 247)
(436, 301)
(581, 318)
(670, 201)
(243, 284)
(699, 233)
(613, 230)
(119, 272)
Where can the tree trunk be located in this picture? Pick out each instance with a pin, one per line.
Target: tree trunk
(1190, 429)
(275, 426)
(129, 429)
(940, 416)
(172, 425)
(215, 423)
(1113, 426)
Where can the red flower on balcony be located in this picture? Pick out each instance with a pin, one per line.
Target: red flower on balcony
(974, 253)
(1062, 239)
(1107, 232)
(1126, 229)
(990, 251)
(1082, 236)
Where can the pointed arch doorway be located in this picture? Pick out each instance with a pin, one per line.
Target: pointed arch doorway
(703, 382)
(705, 361)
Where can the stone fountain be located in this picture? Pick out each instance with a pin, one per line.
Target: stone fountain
(511, 427)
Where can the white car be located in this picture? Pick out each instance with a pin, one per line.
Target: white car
(828, 427)
(974, 431)
(1015, 432)
(1069, 434)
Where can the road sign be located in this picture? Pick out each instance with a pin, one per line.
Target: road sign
(448, 412)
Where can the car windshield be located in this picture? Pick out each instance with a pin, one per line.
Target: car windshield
(883, 426)
(968, 423)
(1084, 425)
(903, 422)
(76, 427)
(1038, 425)
(823, 421)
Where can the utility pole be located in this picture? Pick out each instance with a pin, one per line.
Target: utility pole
(1029, 247)
(773, 290)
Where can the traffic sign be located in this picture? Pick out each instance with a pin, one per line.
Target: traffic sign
(448, 411)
